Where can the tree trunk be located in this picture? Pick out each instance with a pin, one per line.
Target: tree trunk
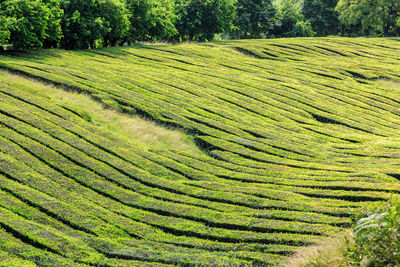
(386, 30)
(113, 42)
(91, 44)
(123, 41)
(70, 44)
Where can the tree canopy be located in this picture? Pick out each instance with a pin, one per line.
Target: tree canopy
(377, 17)
(78, 24)
(87, 22)
(28, 23)
(201, 19)
(151, 20)
(254, 19)
(290, 22)
(322, 16)
(4, 29)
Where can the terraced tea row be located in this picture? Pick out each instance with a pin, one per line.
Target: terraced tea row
(293, 134)
(77, 192)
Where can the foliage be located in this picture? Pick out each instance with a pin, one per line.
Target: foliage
(28, 23)
(254, 19)
(53, 31)
(81, 24)
(200, 20)
(290, 22)
(377, 17)
(85, 23)
(77, 24)
(322, 16)
(4, 29)
(115, 21)
(151, 20)
(377, 237)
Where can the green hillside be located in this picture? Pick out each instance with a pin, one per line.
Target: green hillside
(225, 153)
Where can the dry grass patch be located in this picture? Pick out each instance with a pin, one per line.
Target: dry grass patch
(135, 130)
(329, 253)
(389, 84)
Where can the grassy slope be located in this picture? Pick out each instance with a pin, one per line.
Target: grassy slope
(294, 134)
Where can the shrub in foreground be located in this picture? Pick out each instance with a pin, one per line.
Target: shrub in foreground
(377, 237)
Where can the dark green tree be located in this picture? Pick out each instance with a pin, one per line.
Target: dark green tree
(27, 23)
(376, 17)
(151, 20)
(289, 21)
(92, 23)
(4, 29)
(53, 31)
(80, 24)
(322, 16)
(115, 21)
(254, 19)
(200, 20)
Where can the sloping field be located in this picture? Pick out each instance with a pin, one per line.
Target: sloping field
(283, 139)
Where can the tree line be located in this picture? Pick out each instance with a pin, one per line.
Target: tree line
(81, 24)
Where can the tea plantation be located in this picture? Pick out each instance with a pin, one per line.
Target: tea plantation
(285, 138)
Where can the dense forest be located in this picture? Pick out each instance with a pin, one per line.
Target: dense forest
(78, 24)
